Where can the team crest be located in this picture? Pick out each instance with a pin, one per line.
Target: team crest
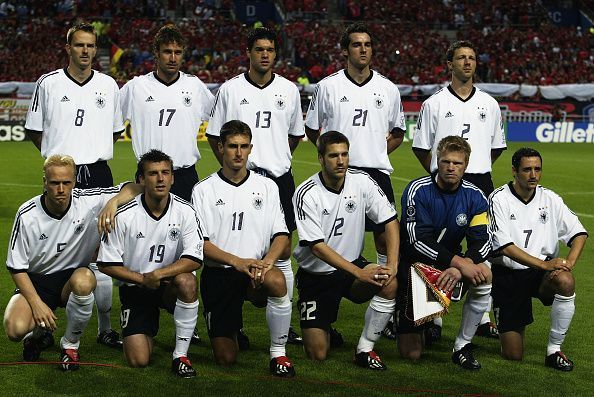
(100, 102)
(79, 228)
(187, 100)
(461, 220)
(379, 103)
(174, 234)
(350, 206)
(280, 102)
(543, 217)
(482, 114)
(258, 202)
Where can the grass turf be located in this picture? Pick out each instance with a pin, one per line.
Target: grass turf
(565, 170)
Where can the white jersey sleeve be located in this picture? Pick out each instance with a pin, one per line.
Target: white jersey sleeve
(111, 249)
(308, 216)
(377, 206)
(34, 121)
(17, 258)
(498, 134)
(217, 113)
(296, 125)
(118, 121)
(568, 224)
(316, 111)
(396, 118)
(426, 127)
(192, 238)
(499, 227)
(126, 95)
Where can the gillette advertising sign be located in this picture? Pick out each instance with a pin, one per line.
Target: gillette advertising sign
(555, 132)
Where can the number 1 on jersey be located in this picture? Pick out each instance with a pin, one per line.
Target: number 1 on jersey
(162, 113)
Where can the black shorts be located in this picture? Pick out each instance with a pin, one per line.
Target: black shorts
(320, 295)
(223, 291)
(140, 310)
(49, 286)
(286, 190)
(482, 181)
(93, 175)
(383, 181)
(512, 294)
(184, 180)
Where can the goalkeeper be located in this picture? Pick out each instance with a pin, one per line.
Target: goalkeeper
(439, 211)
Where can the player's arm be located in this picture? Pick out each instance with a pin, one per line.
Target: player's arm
(128, 192)
(185, 264)
(243, 265)
(495, 153)
(424, 157)
(577, 245)
(392, 234)
(214, 145)
(119, 272)
(41, 312)
(277, 246)
(395, 139)
(36, 137)
(294, 142)
(312, 135)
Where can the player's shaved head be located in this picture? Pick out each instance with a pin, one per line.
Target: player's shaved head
(453, 143)
(168, 34)
(234, 127)
(83, 26)
(330, 138)
(59, 160)
(524, 152)
(357, 27)
(261, 34)
(457, 45)
(152, 156)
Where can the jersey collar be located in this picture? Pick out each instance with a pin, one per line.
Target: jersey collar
(46, 210)
(149, 212)
(451, 90)
(249, 80)
(516, 195)
(434, 180)
(76, 81)
(329, 188)
(367, 80)
(164, 82)
(229, 181)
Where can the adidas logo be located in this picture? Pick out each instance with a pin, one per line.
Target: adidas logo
(449, 114)
(512, 217)
(344, 99)
(183, 339)
(220, 202)
(43, 236)
(65, 99)
(325, 212)
(140, 235)
(244, 102)
(150, 99)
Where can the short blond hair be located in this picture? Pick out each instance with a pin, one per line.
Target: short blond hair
(59, 160)
(453, 143)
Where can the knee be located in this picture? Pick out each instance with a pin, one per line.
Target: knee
(138, 360)
(185, 283)
(564, 283)
(83, 282)
(389, 291)
(408, 354)
(275, 283)
(225, 358)
(316, 354)
(15, 329)
(512, 355)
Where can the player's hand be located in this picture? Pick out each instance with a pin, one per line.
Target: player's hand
(249, 266)
(375, 275)
(260, 273)
(393, 269)
(558, 264)
(150, 280)
(106, 218)
(476, 273)
(448, 279)
(43, 316)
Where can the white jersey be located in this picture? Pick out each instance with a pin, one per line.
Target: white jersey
(476, 119)
(535, 227)
(364, 112)
(78, 119)
(143, 243)
(337, 218)
(166, 116)
(42, 243)
(240, 218)
(273, 112)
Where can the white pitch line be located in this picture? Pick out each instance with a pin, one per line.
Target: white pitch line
(20, 185)
(584, 215)
(396, 178)
(578, 193)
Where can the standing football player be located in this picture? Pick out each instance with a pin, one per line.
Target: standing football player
(527, 223)
(464, 110)
(76, 111)
(271, 106)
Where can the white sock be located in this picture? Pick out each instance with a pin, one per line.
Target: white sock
(475, 305)
(278, 317)
(285, 267)
(185, 316)
(78, 313)
(381, 259)
(486, 315)
(103, 295)
(438, 321)
(377, 316)
(561, 315)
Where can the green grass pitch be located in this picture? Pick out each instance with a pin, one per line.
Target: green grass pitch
(567, 169)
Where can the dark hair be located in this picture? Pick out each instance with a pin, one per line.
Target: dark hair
(259, 34)
(456, 45)
(234, 127)
(84, 26)
(453, 143)
(168, 34)
(330, 138)
(152, 156)
(524, 152)
(357, 27)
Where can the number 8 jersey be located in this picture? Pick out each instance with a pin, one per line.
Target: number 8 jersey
(337, 218)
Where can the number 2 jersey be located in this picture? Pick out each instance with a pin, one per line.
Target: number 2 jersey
(365, 113)
(42, 243)
(166, 116)
(337, 218)
(78, 119)
(239, 218)
(535, 226)
(143, 243)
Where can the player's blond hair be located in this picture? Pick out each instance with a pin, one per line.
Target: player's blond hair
(453, 143)
(59, 160)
